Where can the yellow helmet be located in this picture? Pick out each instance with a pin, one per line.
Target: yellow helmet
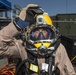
(43, 19)
(41, 46)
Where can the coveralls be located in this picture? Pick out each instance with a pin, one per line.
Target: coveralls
(10, 46)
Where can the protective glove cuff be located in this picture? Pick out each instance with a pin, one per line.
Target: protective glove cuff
(20, 24)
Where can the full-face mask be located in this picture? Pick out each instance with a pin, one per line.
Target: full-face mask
(41, 37)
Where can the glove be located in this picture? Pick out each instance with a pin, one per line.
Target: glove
(27, 14)
(32, 12)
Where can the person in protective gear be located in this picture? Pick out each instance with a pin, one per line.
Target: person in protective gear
(41, 45)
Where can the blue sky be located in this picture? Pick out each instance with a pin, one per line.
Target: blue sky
(52, 7)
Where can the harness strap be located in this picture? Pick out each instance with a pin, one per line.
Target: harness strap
(40, 61)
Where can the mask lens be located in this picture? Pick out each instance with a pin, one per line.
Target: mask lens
(41, 34)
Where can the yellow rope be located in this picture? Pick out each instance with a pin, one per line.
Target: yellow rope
(73, 58)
